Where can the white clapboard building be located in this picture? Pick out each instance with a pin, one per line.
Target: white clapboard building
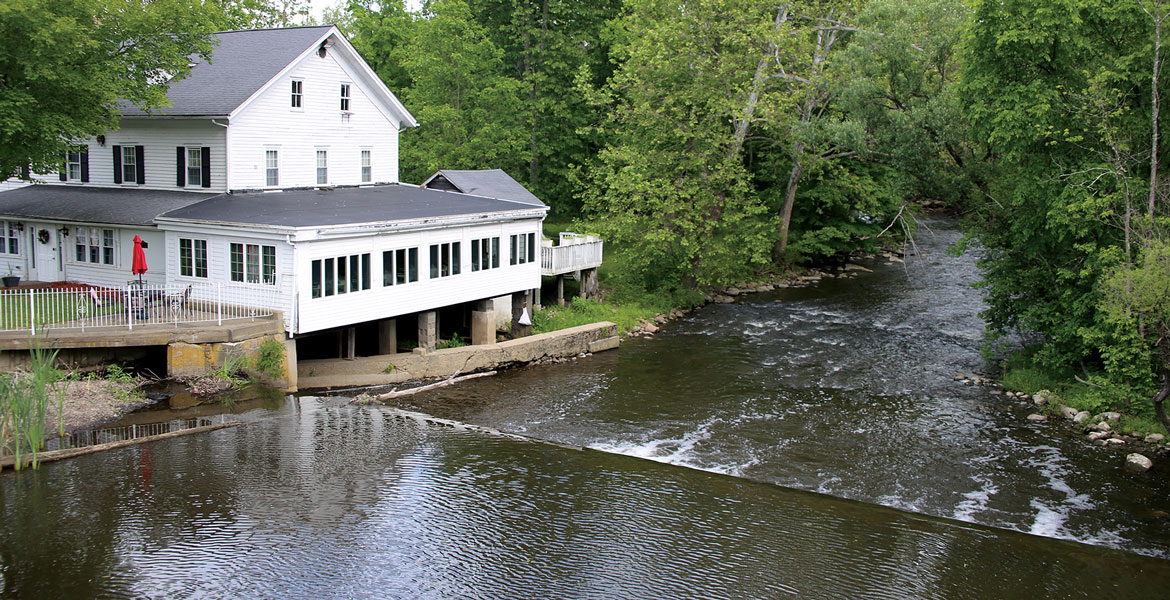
(276, 166)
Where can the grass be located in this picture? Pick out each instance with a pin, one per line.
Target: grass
(456, 341)
(24, 401)
(14, 309)
(583, 312)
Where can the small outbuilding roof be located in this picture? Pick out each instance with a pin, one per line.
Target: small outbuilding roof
(241, 63)
(93, 205)
(341, 206)
(493, 183)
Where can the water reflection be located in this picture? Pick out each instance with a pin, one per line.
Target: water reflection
(340, 502)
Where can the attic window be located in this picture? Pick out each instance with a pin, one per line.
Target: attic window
(345, 97)
(297, 93)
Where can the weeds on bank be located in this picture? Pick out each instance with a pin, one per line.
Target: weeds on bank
(456, 341)
(24, 401)
(580, 311)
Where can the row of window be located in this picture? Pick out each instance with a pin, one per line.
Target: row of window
(248, 263)
(272, 167)
(9, 238)
(297, 99)
(344, 274)
(192, 165)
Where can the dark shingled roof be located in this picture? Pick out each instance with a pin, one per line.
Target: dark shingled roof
(342, 206)
(93, 205)
(241, 63)
(493, 183)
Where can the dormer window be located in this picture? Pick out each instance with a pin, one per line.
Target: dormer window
(345, 97)
(298, 93)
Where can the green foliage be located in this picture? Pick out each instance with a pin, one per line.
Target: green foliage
(24, 401)
(580, 311)
(117, 374)
(270, 359)
(75, 60)
(456, 341)
(232, 368)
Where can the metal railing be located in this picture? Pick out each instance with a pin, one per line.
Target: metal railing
(574, 253)
(133, 305)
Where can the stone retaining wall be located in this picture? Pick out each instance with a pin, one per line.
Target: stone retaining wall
(377, 370)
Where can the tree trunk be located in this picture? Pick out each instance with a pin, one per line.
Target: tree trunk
(1158, 16)
(789, 200)
(1161, 396)
(743, 123)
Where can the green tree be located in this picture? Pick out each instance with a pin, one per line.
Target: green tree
(377, 30)
(469, 110)
(68, 65)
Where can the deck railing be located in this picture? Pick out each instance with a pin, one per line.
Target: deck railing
(574, 253)
(132, 305)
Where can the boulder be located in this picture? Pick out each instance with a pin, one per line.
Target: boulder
(721, 299)
(1039, 400)
(853, 267)
(650, 328)
(1099, 435)
(1114, 441)
(1037, 417)
(1109, 416)
(1082, 416)
(733, 291)
(960, 376)
(1155, 438)
(1102, 426)
(1138, 463)
(1069, 412)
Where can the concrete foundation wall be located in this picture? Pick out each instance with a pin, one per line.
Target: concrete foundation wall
(193, 360)
(397, 368)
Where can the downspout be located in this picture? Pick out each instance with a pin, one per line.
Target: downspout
(226, 163)
(294, 319)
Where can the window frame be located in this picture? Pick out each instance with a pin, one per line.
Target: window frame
(346, 96)
(322, 166)
(271, 167)
(297, 95)
(129, 161)
(194, 254)
(9, 238)
(103, 253)
(367, 167)
(194, 166)
(253, 264)
(70, 164)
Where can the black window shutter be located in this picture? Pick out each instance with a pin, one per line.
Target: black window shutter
(117, 164)
(64, 166)
(140, 154)
(180, 166)
(206, 166)
(24, 172)
(85, 164)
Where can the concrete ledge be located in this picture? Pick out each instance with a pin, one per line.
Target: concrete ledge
(377, 370)
(146, 335)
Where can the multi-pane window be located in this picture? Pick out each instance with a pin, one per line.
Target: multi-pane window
(9, 238)
(271, 168)
(253, 263)
(92, 245)
(399, 266)
(523, 249)
(298, 89)
(485, 254)
(341, 275)
(367, 170)
(444, 259)
(322, 167)
(73, 165)
(194, 166)
(129, 165)
(345, 97)
(192, 257)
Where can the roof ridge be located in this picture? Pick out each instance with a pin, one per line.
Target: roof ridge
(273, 29)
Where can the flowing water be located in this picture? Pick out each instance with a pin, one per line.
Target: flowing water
(928, 488)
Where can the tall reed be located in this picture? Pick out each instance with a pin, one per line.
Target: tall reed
(24, 401)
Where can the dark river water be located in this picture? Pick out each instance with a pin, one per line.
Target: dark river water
(809, 443)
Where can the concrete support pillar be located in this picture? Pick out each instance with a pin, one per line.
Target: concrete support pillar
(589, 286)
(483, 326)
(536, 299)
(387, 336)
(560, 290)
(428, 332)
(519, 300)
(290, 365)
(350, 343)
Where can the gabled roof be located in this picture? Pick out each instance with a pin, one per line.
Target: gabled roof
(93, 205)
(341, 206)
(244, 63)
(241, 63)
(493, 183)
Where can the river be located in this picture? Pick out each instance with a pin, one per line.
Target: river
(808, 443)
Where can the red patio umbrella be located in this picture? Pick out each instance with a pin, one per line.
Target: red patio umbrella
(138, 267)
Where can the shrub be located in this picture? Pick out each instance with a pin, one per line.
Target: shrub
(269, 359)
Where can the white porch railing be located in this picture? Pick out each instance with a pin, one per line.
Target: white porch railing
(574, 253)
(132, 305)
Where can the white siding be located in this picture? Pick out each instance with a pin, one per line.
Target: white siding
(219, 261)
(115, 275)
(159, 138)
(270, 123)
(380, 302)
